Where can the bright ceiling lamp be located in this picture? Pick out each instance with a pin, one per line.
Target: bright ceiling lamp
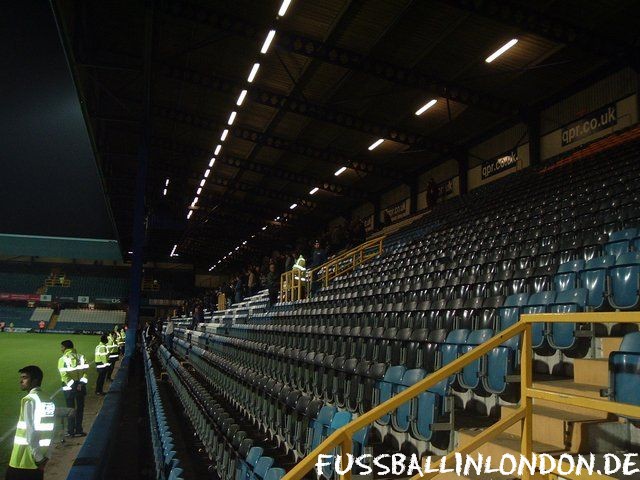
(293, 205)
(340, 171)
(202, 182)
(189, 214)
(164, 192)
(199, 191)
(243, 94)
(217, 150)
(253, 72)
(284, 7)
(223, 137)
(207, 172)
(501, 50)
(211, 162)
(244, 243)
(232, 118)
(267, 42)
(313, 190)
(237, 248)
(166, 182)
(264, 228)
(376, 144)
(195, 200)
(173, 251)
(426, 106)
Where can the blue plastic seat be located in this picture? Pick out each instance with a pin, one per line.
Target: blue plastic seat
(562, 335)
(624, 370)
(594, 279)
(401, 419)
(450, 350)
(620, 241)
(428, 407)
(249, 463)
(262, 467)
(471, 376)
(388, 387)
(539, 303)
(175, 474)
(567, 276)
(625, 282)
(509, 313)
(339, 420)
(275, 473)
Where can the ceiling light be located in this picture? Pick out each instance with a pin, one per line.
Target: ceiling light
(376, 144)
(207, 172)
(173, 251)
(189, 214)
(264, 228)
(195, 200)
(199, 191)
(164, 192)
(276, 219)
(313, 190)
(267, 42)
(166, 182)
(225, 132)
(130, 253)
(237, 248)
(230, 253)
(501, 50)
(253, 236)
(202, 182)
(340, 171)
(293, 205)
(243, 94)
(210, 268)
(426, 106)
(284, 7)
(244, 243)
(211, 162)
(254, 72)
(232, 117)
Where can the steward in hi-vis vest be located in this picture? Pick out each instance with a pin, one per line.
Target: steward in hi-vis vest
(34, 430)
(102, 363)
(73, 373)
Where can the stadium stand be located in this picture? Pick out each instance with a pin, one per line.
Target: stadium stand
(41, 314)
(89, 320)
(561, 241)
(93, 287)
(21, 282)
(19, 316)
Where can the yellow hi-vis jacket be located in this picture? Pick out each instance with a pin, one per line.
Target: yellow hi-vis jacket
(112, 345)
(121, 337)
(102, 355)
(33, 432)
(72, 368)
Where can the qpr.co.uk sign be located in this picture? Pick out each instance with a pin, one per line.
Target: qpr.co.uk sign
(494, 167)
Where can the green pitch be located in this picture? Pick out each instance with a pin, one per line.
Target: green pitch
(20, 349)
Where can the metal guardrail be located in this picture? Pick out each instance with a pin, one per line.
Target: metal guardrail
(294, 283)
(342, 437)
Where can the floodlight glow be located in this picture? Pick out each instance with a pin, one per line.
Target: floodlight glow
(267, 42)
(225, 132)
(232, 117)
(284, 7)
(501, 50)
(340, 171)
(313, 190)
(253, 73)
(426, 106)
(376, 144)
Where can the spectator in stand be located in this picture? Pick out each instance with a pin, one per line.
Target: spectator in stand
(251, 280)
(432, 193)
(198, 317)
(239, 289)
(318, 256)
(273, 284)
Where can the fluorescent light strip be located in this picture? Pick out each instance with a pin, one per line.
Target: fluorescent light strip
(217, 150)
(293, 205)
(232, 118)
(199, 191)
(244, 243)
(202, 182)
(223, 137)
(164, 192)
(264, 228)
(189, 214)
(426, 106)
(166, 182)
(267, 42)
(173, 250)
(207, 172)
(313, 190)
(211, 162)
(284, 7)
(340, 171)
(195, 200)
(253, 73)
(376, 144)
(501, 50)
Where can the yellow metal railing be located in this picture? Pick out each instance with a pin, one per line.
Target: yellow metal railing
(342, 437)
(294, 283)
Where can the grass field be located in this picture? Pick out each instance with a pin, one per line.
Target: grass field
(20, 349)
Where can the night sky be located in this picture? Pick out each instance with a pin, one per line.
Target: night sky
(49, 180)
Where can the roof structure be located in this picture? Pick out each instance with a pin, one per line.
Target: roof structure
(337, 76)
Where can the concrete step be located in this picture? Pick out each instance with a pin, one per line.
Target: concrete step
(591, 371)
(565, 430)
(608, 345)
(570, 387)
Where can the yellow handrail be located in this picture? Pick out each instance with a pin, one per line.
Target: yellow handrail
(343, 436)
(292, 283)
